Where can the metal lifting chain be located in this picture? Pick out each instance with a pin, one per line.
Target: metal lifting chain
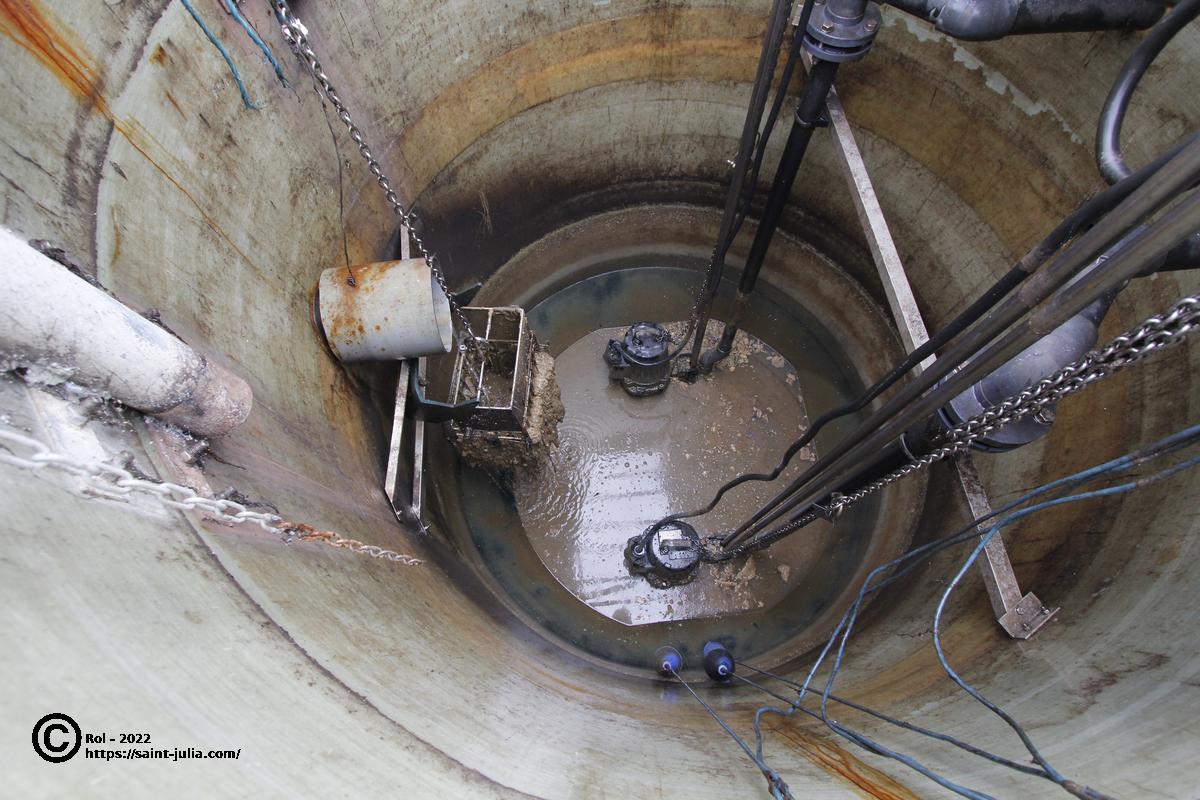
(1152, 335)
(296, 35)
(701, 294)
(113, 482)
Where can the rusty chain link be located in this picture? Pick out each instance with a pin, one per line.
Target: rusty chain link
(112, 482)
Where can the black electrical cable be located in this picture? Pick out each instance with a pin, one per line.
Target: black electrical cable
(1079, 220)
(762, 84)
(1109, 158)
(1002, 334)
(768, 58)
(785, 80)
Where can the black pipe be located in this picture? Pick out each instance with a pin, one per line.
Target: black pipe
(1185, 256)
(1107, 277)
(809, 116)
(1159, 188)
(758, 99)
(1082, 218)
(785, 80)
(1109, 158)
(980, 20)
(1108, 133)
(1064, 345)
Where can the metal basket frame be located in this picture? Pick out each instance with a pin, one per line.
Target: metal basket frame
(503, 330)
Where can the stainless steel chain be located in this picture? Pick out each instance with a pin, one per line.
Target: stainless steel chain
(694, 317)
(1151, 336)
(296, 35)
(113, 482)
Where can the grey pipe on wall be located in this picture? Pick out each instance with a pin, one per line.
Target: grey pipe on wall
(980, 20)
(67, 329)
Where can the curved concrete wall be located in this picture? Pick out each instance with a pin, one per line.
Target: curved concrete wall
(125, 143)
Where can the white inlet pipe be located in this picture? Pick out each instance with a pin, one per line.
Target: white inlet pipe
(64, 327)
(387, 311)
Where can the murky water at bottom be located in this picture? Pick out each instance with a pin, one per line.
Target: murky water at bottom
(625, 462)
(553, 543)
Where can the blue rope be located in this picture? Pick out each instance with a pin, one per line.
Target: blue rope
(237, 76)
(1060, 487)
(231, 6)
(1122, 488)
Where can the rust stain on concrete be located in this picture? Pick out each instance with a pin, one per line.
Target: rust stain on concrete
(175, 104)
(47, 39)
(36, 30)
(668, 44)
(866, 780)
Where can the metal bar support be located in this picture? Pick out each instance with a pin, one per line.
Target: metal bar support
(1020, 615)
(404, 480)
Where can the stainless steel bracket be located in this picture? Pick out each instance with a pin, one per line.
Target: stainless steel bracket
(404, 480)
(1021, 616)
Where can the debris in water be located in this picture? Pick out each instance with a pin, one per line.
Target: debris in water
(503, 452)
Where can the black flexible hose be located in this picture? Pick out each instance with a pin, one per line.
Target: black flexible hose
(780, 10)
(1109, 158)
(1054, 295)
(785, 80)
(1108, 133)
(772, 41)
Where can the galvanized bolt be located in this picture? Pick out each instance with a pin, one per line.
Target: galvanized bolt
(871, 25)
(194, 451)
(827, 26)
(1045, 416)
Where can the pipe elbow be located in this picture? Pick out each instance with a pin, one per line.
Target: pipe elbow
(975, 20)
(983, 20)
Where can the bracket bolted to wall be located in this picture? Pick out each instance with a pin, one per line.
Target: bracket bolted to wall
(404, 481)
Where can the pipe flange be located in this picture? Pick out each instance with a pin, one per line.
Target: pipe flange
(836, 33)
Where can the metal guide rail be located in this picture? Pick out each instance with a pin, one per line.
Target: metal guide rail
(1021, 615)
